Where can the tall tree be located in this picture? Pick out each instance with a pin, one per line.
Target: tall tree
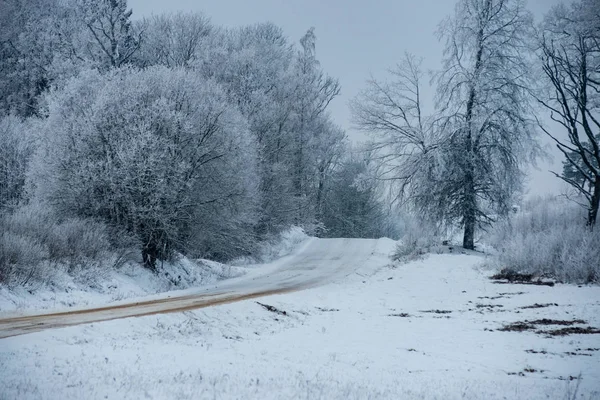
(253, 64)
(483, 94)
(284, 94)
(463, 164)
(570, 57)
(313, 92)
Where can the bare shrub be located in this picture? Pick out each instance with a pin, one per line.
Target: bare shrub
(20, 258)
(34, 242)
(77, 239)
(549, 239)
(419, 238)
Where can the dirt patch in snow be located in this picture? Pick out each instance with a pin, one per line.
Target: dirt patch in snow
(521, 326)
(572, 330)
(401, 315)
(488, 305)
(546, 321)
(272, 308)
(517, 327)
(536, 305)
(437, 311)
(323, 309)
(510, 276)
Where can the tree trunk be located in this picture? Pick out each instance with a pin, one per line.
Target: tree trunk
(594, 203)
(155, 248)
(469, 207)
(470, 194)
(320, 188)
(149, 256)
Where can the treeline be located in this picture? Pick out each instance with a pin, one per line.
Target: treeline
(168, 133)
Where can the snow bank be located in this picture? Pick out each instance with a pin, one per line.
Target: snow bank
(102, 286)
(276, 247)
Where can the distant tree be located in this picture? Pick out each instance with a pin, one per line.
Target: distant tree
(26, 51)
(172, 40)
(113, 41)
(570, 56)
(159, 153)
(404, 141)
(15, 153)
(353, 205)
(330, 147)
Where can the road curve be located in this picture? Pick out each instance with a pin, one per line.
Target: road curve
(317, 262)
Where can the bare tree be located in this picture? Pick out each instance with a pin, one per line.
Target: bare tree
(108, 22)
(403, 140)
(463, 165)
(570, 56)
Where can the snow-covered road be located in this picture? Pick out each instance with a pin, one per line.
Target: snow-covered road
(317, 262)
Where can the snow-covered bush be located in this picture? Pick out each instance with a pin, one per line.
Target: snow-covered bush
(20, 258)
(34, 242)
(282, 244)
(159, 153)
(418, 238)
(275, 246)
(549, 238)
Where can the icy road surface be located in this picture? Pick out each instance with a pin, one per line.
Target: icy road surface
(317, 262)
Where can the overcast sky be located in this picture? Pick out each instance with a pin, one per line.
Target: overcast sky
(355, 39)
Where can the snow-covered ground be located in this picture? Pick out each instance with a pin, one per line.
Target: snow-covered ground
(428, 329)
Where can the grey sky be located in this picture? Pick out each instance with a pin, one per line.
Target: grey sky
(354, 39)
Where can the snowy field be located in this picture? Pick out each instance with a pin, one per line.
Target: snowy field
(429, 329)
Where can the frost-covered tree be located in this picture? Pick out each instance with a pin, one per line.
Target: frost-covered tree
(463, 165)
(26, 52)
(159, 153)
(172, 40)
(15, 153)
(483, 93)
(43, 43)
(570, 57)
(284, 95)
(314, 91)
(253, 66)
(112, 41)
(353, 206)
